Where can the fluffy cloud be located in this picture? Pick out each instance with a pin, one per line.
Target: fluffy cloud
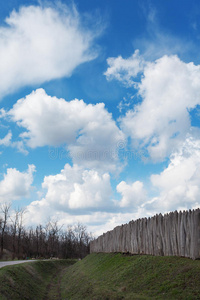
(42, 43)
(169, 89)
(93, 191)
(80, 195)
(77, 188)
(133, 195)
(89, 130)
(77, 194)
(7, 142)
(73, 191)
(125, 70)
(16, 184)
(178, 184)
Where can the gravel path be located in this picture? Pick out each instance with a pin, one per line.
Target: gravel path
(16, 262)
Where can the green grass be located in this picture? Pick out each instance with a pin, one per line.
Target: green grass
(32, 281)
(103, 276)
(116, 276)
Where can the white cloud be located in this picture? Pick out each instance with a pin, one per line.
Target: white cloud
(79, 195)
(169, 89)
(39, 44)
(89, 131)
(77, 188)
(19, 145)
(6, 141)
(2, 113)
(178, 184)
(16, 184)
(125, 70)
(133, 195)
(97, 222)
(94, 191)
(74, 191)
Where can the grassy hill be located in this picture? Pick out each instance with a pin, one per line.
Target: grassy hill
(103, 276)
(116, 276)
(32, 281)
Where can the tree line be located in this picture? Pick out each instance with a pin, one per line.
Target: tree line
(46, 241)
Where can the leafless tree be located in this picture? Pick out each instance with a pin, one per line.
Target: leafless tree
(14, 222)
(50, 240)
(4, 210)
(20, 228)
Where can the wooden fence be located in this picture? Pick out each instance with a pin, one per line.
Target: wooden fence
(176, 234)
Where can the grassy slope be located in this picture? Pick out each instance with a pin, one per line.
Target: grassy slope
(115, 276)
(30, 280)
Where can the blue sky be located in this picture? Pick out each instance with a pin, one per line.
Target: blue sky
(99, 110)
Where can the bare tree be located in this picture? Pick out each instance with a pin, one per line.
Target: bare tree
(14, 221)
(50, 240)
(53, 231)
(4, 210)
(20, 220)
(82, 240)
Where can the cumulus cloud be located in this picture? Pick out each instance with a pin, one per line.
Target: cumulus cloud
(16, 184)
(89, 131)
(133, 194)
(74, 191)
(39, 44)
(94, 191)
(80, 195)
(178, 184)
(77, 188)
(169, 89)
(125, 70)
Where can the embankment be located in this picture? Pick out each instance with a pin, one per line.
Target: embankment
(32, 280)
(117, 276)
(102, 276)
